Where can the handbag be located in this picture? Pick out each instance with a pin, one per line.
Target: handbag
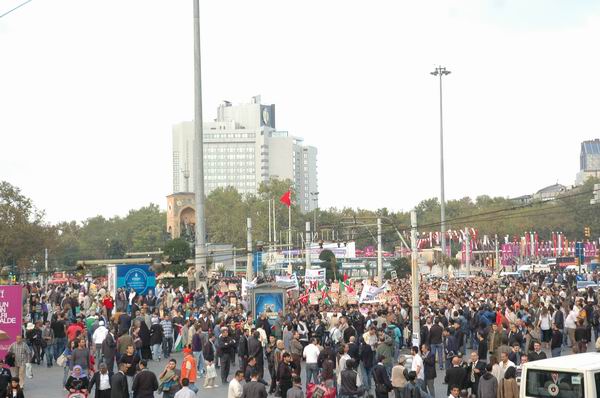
(211, 371)
(28, 370)
(61, 360)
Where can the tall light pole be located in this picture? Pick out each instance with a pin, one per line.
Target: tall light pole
(442, 71)
(200, 260)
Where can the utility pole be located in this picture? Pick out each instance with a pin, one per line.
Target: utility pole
(46, 267)
(414, 281)
(497, 265)
(270, 241)
(249, 269)
(442, 71)
(307, 245)
(379, 255)
(200, 260)
(468, 250)
(234, 261)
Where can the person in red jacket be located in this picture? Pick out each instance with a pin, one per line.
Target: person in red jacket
(109, 304)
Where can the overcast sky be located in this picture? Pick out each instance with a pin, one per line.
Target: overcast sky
(89, 91)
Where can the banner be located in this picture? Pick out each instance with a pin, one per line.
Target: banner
(112, 280)
(11, 316)
(247, 286)
(369, 293)
(316, 274)
(137, 277)
(288, 279)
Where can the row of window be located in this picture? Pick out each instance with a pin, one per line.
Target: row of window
(229, 156)
(215, 136)
(230, 149)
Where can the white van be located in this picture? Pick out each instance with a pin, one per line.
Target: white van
(569, 376)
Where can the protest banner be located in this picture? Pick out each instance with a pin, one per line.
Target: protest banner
(315, 274)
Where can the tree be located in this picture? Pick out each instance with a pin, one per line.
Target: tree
(402, 267)
(330, 263)
(177, 251)
(23, 232)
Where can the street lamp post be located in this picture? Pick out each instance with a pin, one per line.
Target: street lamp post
(315, 196)
(442, 71)
(200, 260)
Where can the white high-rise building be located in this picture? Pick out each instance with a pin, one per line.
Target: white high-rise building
(242, 148)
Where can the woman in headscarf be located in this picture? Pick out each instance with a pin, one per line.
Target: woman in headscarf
(77, 381)
(144, 335)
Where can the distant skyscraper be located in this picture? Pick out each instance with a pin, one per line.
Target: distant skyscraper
(242, 148)
(589, 161)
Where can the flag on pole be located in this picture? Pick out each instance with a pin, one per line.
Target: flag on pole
(286, 198)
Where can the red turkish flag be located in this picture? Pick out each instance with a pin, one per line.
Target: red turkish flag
(286, 198)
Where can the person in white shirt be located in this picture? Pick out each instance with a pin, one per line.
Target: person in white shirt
(98, 338)
(235, 387)
(311, 355)
(185, 391)
(342, 363)
(417, 366)
(504, 364)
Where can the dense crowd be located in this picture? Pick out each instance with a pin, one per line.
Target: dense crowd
(480, 330)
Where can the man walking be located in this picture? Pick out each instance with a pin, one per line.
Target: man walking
(22, 354)
(145, 382)
(311, 355)
(227, 351)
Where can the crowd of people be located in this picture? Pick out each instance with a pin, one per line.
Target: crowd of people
(478, 330)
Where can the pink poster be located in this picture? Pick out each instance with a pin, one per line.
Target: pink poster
(11, 316)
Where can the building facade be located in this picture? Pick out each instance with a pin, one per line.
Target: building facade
(589, 161)
(242, 149)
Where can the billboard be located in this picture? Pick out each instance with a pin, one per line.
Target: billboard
(138, 277)
(269, 303)
(11, 316)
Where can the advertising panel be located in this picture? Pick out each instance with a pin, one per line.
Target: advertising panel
(269, 303)
(138, 277)
(11, 316)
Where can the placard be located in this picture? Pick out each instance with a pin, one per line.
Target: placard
(313, 298)
(335, 287)
(352, 299)
(433, 295)
(233, 287)
(11, 316)
(444, 287)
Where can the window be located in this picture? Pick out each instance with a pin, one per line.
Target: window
(549, 384)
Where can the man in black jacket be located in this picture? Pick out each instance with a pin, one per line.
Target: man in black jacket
(242, 349)
(145, 382)
(118, 383)
(349, 380)
(474, 372)
(383, 384)
(367, 357)
(354, 349)
(436, 342)
(255, 349)
(429, 368)
(227, 352)
(456, 375)
(109, 350)
(209, 350)
(102, 380)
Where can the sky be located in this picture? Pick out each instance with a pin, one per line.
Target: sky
(89, 91)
